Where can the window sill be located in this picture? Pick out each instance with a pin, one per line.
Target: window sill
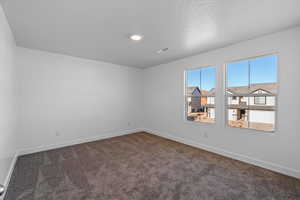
(252, 130)
(199, 123)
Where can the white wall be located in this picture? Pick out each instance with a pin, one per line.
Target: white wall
(65, 98)
(279, 150)
(7, 98)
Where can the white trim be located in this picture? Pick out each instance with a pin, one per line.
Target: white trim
(257, 55)
(10, 171)
(105, 135)
(260, 163)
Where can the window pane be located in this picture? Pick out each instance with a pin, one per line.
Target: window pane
(208, 79)
(193, 78)
(239, 118)
(190, 110)
(263, 120)
(263, 82)
(251, 93)
(238, 74)
(208, 84)
(193, 94)
(237, 111)
(263, 70)
(200, 95)
(238, 86)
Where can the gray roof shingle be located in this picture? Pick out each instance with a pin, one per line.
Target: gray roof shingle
(268, 87)
(271, 88)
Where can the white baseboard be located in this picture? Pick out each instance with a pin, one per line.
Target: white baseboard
(260, 163)
(10, 171)
(77, 141)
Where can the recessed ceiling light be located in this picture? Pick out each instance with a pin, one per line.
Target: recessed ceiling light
(136, 37)
(162, 50)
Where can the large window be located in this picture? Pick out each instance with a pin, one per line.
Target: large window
(200, 94)
(251, 93)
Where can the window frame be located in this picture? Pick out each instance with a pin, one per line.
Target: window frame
(258, 103)
(185, 109)
(225, 96)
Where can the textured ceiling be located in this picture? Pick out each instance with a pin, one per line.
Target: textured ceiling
(99, 29)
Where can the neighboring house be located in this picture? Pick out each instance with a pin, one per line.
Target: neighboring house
(210, 105)
(254, 104)
(193, 99)
(199, 103)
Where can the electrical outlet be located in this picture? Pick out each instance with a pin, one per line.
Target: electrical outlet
(205, 135)
(128, 124)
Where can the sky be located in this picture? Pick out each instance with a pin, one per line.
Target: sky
(204, 78)
(261, 70)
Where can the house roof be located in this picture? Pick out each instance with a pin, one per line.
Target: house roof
(212, 92)
(271, 88)
(204, 92)
(190, 90)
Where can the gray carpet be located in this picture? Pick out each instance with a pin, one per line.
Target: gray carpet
(141, 166)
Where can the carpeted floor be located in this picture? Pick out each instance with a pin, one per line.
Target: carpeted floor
(141, 166)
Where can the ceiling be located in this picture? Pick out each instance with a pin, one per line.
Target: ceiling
(99, 29)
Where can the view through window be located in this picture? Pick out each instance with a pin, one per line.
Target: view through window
(200, 94)
(251, 93)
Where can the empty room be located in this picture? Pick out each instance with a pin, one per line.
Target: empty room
(149, 100)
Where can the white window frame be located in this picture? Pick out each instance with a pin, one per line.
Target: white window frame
(226, 95)
(185, 96)
(258, 98)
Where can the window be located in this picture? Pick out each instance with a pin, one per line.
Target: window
(260, 100)
(251, 93)
(200, 95)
